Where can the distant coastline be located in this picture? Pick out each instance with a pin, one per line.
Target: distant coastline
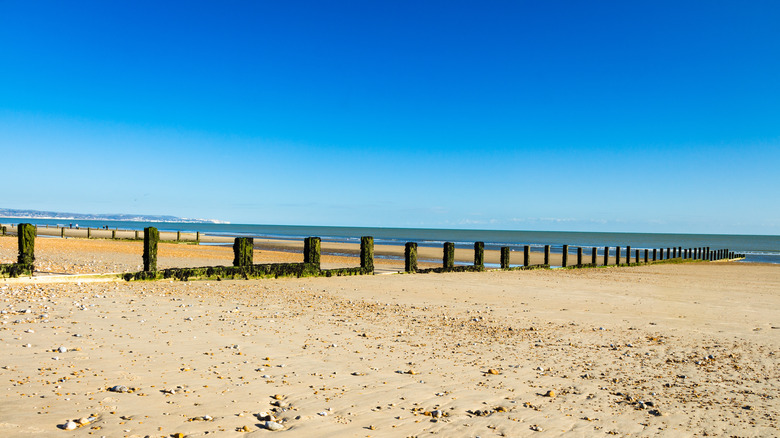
(36, 214)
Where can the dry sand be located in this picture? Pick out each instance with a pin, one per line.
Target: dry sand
(662, 350)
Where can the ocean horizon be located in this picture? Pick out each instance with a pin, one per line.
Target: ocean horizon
(757, 248)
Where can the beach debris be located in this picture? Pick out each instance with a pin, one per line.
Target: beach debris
(536, 428)
(273, 425)
(70, 425)
(120, 388)
(202, 418)
(62, 349)
(265, 416)
(492, 371)
(550, 393)
(243, 429)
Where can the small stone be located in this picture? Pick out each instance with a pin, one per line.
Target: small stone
(83, 420)
(277, 397)
(62, 350)
(437, 413)
(550, 394)
(273, 425)
(70, 425)
(119, 388)
(536, 428)
(493, 371)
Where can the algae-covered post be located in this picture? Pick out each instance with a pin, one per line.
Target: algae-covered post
(151, 237)
(479, 255)
(579, 256)
(606, 255)
(26, 237)
(136, 235)
(636, 256)
(178, 236)
(593, 256)
(89, 232)
(62, 232)
(504, 257)
(565, 256)
(113, 234)
(655, 254)
(410, 257)
(367, 253)
(647, 255)
(617, 256)
(547, 255)
(197, 236)
(448, 259)
(311, 250)
(628, 255)
(242, 251)
(526, 255)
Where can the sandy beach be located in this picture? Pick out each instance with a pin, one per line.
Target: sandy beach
(663, 350)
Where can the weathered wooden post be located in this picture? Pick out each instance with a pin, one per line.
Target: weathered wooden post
(655, 254)
(527, 255)
(3, 230)
(668, 253)
(136, 235)
(547, 255)
(593, 256)
(448, 259)
(26, 238)
(151, 237)
(62, 232)
(197, 236)
(410, 257)
(178, 236)
(579, 256)
(647, 254)
(479, 255)
(89, 232)
(708, 251)
(628, 255)
(565, 256)
(617, 256)
(242, 251)
(504, 257)
(606, 255)
(113, 234)
(674, 252)
(636, 256)
(367, 253)
(311, 250)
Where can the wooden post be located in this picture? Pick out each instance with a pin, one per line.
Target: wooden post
(617, 256)
(410, 257)
(136, 234)
(242, 251)
(579, 256)
(3, 230)
(547, 255)
(479, 255)
(89, 232)
(636, 256)
(367, 253)
(647, 254)
(448, 260)
(178, 238)
(151, 237)
(628, 255)
(565, 256)
(606, 255)
(26, 238)
(312, 249)
(527, 255)
(197, 236)
(504, 257)
(113, 234)
(62, 232)
(655, 257)
(593, 255)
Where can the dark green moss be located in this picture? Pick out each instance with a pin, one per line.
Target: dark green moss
(151, 237)
(242, 251)
(15, 270)
(26, 237)
(479, 254)
(410, 257)
(274, 270)
(504, 257)
(312, 248)
(367, 253)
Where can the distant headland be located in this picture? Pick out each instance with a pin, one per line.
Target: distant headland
(36, 214)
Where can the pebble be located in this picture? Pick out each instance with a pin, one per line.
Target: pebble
(273, 425)
(119, 388)
(70, 425)
(62, 349)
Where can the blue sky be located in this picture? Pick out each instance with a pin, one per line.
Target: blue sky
(539, 115)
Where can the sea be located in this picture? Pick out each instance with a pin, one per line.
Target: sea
(757, 248)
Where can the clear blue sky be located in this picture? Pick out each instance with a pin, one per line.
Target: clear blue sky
(528, 115)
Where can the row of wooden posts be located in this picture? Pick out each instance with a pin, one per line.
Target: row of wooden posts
(243, 256)
(243, 246)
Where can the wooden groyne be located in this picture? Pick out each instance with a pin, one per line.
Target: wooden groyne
(244, 266)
